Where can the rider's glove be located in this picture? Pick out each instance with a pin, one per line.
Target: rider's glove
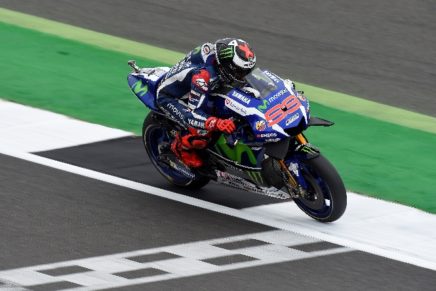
(224, 125)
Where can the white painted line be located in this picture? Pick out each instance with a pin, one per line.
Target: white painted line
(29, 129)
(372, 225)
(321, 231)
(394, 228)
(8, 286)
(188, 260)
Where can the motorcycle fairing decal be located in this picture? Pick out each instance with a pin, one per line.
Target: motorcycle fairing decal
(280, 111)
(182, 169)
(256, 176)
(264, 105)
(142, 90)
(243, 184)
(236, 153)
(232, 163)
(246, 111)
(294, 166)
(139, 88)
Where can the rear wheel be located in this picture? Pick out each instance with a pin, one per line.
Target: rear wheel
(326, 197)
(157, 139)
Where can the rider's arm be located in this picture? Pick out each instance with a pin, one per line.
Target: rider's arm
(198, 98)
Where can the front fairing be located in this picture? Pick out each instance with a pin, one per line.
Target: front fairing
(279, 113)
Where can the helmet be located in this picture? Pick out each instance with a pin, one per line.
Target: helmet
(235, 59)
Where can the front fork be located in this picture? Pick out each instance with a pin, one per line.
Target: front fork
(295, 182)
(301, 139)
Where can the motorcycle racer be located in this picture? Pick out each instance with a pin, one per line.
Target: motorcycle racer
(184, 93)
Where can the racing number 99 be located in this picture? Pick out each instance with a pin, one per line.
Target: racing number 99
(278, 112)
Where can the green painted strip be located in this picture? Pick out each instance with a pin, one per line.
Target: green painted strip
(370, 108)
(84, 81)
(326, 97)
(69, 77)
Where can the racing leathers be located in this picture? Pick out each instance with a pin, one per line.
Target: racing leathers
(183, 95)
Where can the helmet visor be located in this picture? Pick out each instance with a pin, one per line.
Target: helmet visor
(238, 73)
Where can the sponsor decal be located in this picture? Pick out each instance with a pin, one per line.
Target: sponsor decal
(182, 170)
(201, 80)
(263, 106)
(212, 123)
(194, 93)
(235, 153)
(175, 111)
(236, 107)
(196, 123)
(241, 97)
(255, 176)
(293, 167)
(273, 77)
(227, 53)
(206, 49)
(292, 118)
(201, 83)
(272, 139)
(280, 111)
(139, 89)
(277, 95)
(260, 125)
(267, 135)
(307, 148)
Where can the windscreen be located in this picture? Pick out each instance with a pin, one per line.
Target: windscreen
(261, 82)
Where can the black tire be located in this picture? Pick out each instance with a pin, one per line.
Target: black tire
(152, 122)
(324, 183)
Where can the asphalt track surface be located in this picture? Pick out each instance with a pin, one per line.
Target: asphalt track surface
(367, 49)
(100, 157)
(378, 50)
(48, 215)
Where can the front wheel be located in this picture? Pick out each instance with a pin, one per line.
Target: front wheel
(157, 139)
(326, 198)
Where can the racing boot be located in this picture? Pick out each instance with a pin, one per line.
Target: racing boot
(184, 147)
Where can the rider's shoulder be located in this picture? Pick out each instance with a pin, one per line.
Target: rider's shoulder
(207, 49)
(203, 54)
(208, 53)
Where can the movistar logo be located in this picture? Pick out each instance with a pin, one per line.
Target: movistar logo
(139, 89)
(235, 153)
(227, 53)
(263, 106)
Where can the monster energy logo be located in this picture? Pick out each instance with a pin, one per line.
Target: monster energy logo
(139, 89)
(255, 176)
(307, 149)
(227, 53)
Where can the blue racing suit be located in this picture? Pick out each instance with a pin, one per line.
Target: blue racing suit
(183, 93)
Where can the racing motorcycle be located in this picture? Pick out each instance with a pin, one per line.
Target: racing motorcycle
(268, 153)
